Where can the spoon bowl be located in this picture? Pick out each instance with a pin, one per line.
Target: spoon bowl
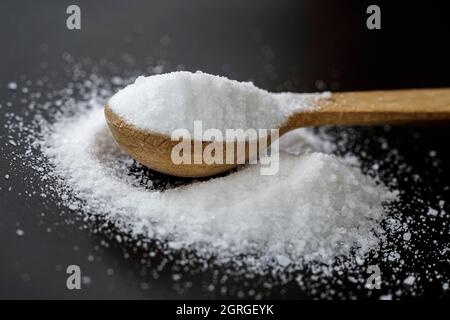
(154, 150)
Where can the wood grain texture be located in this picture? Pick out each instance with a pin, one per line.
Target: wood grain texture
(349, 108)
(376, 107)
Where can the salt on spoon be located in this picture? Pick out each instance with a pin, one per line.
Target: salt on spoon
(142, 116)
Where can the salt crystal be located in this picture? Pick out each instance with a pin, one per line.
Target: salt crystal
(20, 232)
(409, 280)
(432, 212)
(283, 260)
(12, 86)
(176, 277)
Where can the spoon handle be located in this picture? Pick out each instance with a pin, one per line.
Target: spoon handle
(377, 107)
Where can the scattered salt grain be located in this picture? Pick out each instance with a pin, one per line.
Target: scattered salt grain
(432, 212)
(20, 232)
(409, 280)
(176, 277)
(12, 86)
(407, 236)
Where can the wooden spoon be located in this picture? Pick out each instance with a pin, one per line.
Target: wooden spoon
(153, 149)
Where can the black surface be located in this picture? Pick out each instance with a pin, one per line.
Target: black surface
(280, 45)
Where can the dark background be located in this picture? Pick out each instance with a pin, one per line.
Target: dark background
(280, 45)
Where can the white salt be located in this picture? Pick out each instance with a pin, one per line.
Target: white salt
(407, 236)
(409, 280)
(432, 212)
(318, 208)
(315, 209)
(170, 101)
(12, 86)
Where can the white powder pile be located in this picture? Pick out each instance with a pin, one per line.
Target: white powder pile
(319, 222)
(166, 102)
(315, 209)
